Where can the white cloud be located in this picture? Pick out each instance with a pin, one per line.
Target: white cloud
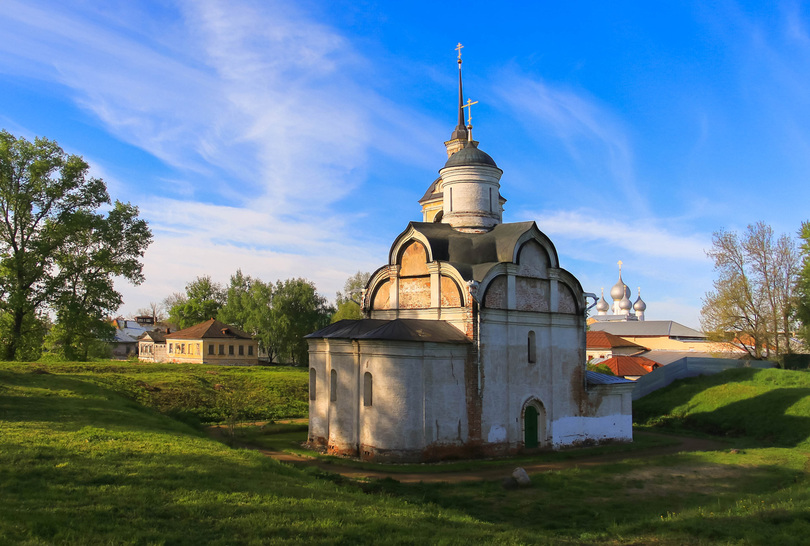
(589, 131)
(639, 236)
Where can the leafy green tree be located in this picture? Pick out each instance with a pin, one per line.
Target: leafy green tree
(203, 300)
(803, 283)
(753, 301)
(297, 310)
(50, 227)
(106, 247)
(348, 306)
(600, 368)
(248, 307)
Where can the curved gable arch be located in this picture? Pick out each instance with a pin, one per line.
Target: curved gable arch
(566, 281)
(541, 238)
(406, 237)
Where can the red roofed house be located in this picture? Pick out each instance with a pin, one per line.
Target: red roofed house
(606, 345)
(212, 342)
(630, 367)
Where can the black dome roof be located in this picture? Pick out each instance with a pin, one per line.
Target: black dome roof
(470, 155)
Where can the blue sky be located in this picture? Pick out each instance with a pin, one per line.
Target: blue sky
(294, 139)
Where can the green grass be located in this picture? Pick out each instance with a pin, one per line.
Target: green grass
(82, 464)
(290, 437)
(196, 393)
(759, 407)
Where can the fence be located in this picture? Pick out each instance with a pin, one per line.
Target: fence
(690, 367)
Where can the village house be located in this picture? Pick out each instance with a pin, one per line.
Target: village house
(209, 342)
(473, 342)
(152, 346)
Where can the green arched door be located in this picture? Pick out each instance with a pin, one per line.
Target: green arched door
(530, 427)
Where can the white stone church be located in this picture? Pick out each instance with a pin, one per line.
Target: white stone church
(473, 342)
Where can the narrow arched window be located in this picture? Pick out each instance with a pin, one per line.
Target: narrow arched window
(532, 348)
(367, 386)
(312, 378)
(451, 199)
(333, 386)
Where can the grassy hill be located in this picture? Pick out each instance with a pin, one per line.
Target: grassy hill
(79, 463)
(760, 407)
(195, 393)
(86, 457)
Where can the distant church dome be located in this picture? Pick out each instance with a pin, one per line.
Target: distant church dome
(619, 290)
(470, 155)
(640, 306)
(625, 304)
(602, 306)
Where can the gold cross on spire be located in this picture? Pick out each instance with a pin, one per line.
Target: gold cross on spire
(459, 47)
(469, 104)
(620, 266)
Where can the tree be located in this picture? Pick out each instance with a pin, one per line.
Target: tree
(48, 218)
(105, 247)
(203, 300)
(803, 283)
(753, 301)
(248, 307)
(348, 306)
(297, 310)
(155, 309)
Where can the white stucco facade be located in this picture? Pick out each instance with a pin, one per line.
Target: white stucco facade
(473, 342)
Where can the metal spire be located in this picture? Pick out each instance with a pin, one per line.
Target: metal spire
(461, 130)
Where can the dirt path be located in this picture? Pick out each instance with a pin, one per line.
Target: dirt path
(496, 471)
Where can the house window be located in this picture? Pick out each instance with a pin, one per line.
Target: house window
(250, 350)
(312, 379)
(230, 350)
(241, 350)
(182, 348)
(367, 385)
(532, 348)
(171, 348)
(222, 349)
(211, 349)
(451, 199)
(333, 386)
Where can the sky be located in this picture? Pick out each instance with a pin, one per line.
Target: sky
(293, 139)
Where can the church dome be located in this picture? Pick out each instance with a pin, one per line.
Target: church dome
(625, 304)
(602, 305)
(470, 155)
(640, 305)
(619, 290)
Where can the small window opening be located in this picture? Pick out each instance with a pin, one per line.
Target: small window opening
(230, 350)
(333, 386)
(222, 349)
(312, 383)
(241, 350)
(210, 349)
(532, 348)
(250, 350)
(367, 386)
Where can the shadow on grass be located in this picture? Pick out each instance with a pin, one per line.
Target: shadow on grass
(760, 420)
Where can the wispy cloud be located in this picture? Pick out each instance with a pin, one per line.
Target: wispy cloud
(637, 236)
(589, 131)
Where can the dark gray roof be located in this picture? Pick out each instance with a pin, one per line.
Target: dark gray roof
(429, 193)
(595, 378)
(434, 331)
(158, 336)
(473, 254)
(470, 155)
(659, 328)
